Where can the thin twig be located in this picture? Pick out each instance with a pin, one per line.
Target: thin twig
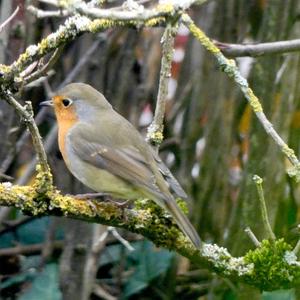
(99, 291)
(28, 249)
(12, 225)
(92, 257)
(229, 67)
(252, 237)
(124, 242)
(50, 2)
(39, 13)
(41, 72)
(6, 177)
(141, 14)
(263, 209)
(9, 19)
(297, 248)
(254, 50)
(26, 114)
(155, 129)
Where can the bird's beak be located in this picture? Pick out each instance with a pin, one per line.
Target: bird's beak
(47, 103)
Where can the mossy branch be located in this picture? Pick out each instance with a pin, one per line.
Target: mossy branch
(146, 218)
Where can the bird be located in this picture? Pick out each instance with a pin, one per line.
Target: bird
(104, 151)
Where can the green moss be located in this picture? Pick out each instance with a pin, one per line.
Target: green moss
(43, 180)
(200, 35)
(288, 151)
(158, 225)
(100, 24)
(155, 21)
(271, 268)
(182, 205)
(253, 101)
(156, 137)
(167, 8)
(294, 172)
(4, 69)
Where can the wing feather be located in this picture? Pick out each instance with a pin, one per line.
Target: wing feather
(121, 162)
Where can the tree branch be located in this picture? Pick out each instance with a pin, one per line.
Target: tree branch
(229, 67)
(9, 19)
(155, 129)
(147, 219)
(26, 115)
(254, 50)
(262, 203)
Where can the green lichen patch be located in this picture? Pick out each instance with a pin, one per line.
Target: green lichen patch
(4, 69)
(223, 263)
(69, 206)
(273, 268)
(155, 134)
(158, 225)
(23, 197)
(182, 205)
(43, 180)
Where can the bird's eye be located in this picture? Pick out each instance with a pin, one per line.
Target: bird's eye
(66, 102)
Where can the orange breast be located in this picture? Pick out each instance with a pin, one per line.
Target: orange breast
(66, 119)
(62, 133)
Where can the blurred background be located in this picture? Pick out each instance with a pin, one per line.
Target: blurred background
(213, 145)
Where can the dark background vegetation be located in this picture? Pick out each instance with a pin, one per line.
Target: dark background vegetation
(212, 143)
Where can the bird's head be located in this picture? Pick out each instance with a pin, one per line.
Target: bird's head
(77, 101)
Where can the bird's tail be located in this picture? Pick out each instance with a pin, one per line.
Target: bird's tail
(182, 221)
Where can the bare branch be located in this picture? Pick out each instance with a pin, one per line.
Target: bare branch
(155, 130)
(116, 234)
(297, 248)
(139, 13)
(28, 249)
(26, 115)
(268, 229)
(9, 19)
(44, 69)
(102, 293)
(252, 237)
(254, 50)
(39, 13)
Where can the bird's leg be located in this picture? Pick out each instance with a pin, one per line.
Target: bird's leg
(122, 204)
(89, 196)
(103, 196)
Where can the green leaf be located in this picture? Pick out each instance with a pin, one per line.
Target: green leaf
(279, 295)
(32, 232)
(44, 286)
(150, 263)
(17, 279)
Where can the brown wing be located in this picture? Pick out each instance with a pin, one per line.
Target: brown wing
(166, 173)
(171, 180)
(124, 162)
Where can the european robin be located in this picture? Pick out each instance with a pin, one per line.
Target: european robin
(106, 153)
